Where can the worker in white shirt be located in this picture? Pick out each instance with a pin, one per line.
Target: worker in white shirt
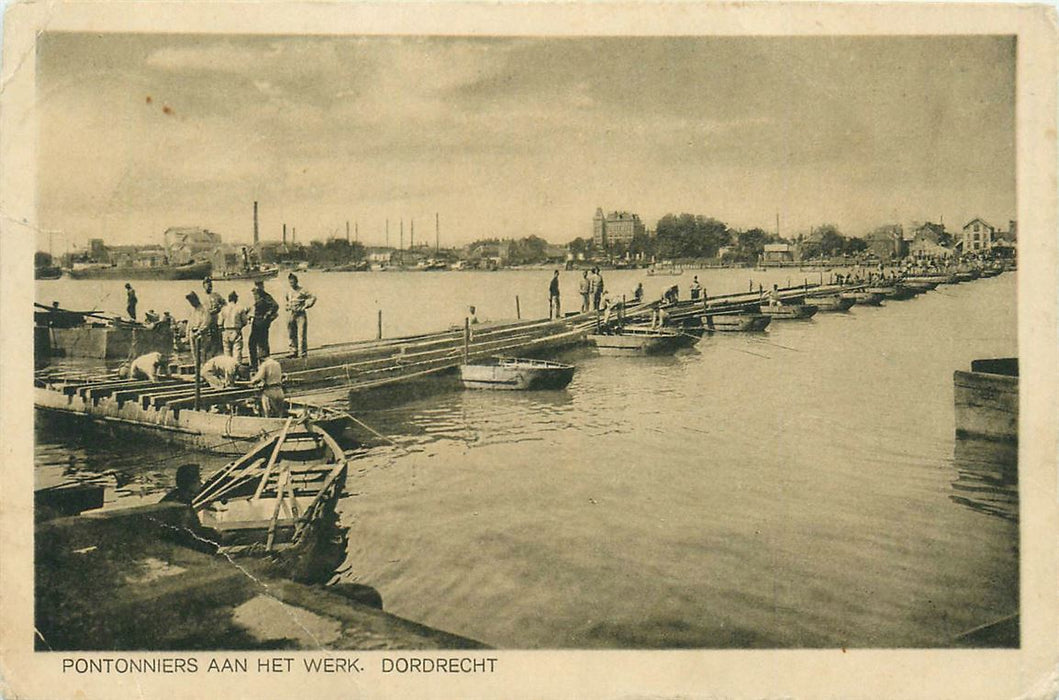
(232, 319)
(220, 371)
(269, 377)
(147, 366)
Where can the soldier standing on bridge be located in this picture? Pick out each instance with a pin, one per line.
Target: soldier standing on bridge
(263, 312)
(211, 342)
(298, 301)
(130, 301)
(554, 308)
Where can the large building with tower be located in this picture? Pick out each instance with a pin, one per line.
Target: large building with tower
(615, 227)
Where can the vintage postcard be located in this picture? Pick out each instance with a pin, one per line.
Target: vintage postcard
(528, 350)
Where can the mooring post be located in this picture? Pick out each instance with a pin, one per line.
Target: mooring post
(466, 339)
(378, 332)
(518, 309)
(198, 371)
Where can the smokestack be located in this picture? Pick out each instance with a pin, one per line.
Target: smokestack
(347, 232)
(387, 233)
(255, 224)
(401, 247)
(284, 234)
(356, 231)
(293, 235)
(412, 242)
(437, 233)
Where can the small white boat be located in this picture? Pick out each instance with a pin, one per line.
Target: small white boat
(641, 340)
(514, 373)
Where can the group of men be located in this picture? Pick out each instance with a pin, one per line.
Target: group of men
(215, 332)
(591, 289)
(216, 326)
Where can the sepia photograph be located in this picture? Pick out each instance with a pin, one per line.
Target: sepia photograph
(384, 350)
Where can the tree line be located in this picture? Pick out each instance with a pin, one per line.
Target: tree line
(683, 236)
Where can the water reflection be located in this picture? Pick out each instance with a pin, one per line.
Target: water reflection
(987, 477)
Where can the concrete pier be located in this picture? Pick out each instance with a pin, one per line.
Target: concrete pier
(144, 579)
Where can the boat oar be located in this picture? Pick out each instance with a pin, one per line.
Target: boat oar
(282, 479)
(273, 457)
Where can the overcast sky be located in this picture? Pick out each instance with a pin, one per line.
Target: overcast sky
(517, 136)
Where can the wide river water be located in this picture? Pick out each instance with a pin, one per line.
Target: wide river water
(795, 488)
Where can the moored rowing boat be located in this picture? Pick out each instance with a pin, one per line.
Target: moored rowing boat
(511, 373)
(863, 298)
(833, 303)
(641, 340)
(736, 323)
(274, 495)
(789, 312)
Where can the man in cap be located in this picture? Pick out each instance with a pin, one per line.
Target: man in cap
(147, 366)
(298, 301)
(130, 301)
(198, 325)
(221, 371)
(262, 313)
(213, 302)
(232, 320)
(269, 377)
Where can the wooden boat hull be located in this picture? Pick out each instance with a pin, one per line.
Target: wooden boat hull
(789, 312)
(833, 303)
(864, 298)
(921, 286)
(193, 271)
(221, 433)
(254, 275)
(275, 495)
(516, 375)
(736, 323)
(895, 292)
(987, 400)
(639, 344)
(108, 342)
(928, 281)
(47, 273)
